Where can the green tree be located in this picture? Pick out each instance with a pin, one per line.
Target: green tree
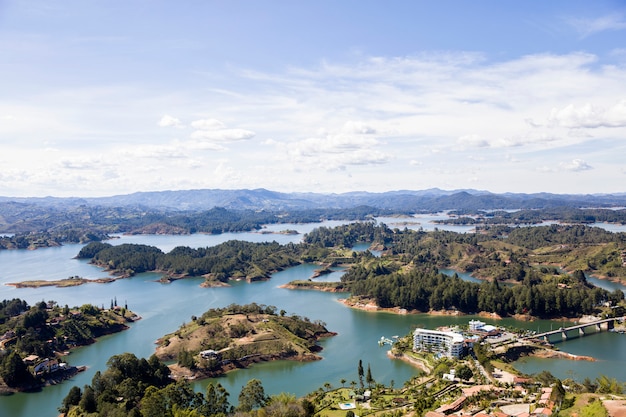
(14, 371)
(368, 377)
(88, 400)
(283, 405)
(153, 403)
(608, 385)
(464, 372)
(72, 398)
(184, 412)
(360, 372)
(215, 401)
(252, 396)
(186, 359)
(182, 395)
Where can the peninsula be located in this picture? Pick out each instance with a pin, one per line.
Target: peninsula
(35, 340)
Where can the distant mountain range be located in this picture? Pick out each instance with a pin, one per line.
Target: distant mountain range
(261, 199)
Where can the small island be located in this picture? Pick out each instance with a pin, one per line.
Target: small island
(225, 339)
(60, 283)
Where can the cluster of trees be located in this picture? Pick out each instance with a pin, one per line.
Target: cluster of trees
(136, 387)
(232, 259)
(425, 289)
(12, 308)
(350, 234)
(537, 237)
(14, 371)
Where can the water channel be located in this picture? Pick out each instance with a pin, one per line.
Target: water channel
(164, 307)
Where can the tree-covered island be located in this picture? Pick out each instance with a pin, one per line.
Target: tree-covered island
(524, 270)
(35, 340)
(224, 339)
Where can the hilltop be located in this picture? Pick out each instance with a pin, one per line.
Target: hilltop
(234, 337)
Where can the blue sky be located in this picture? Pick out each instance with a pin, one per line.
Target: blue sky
(111, 97)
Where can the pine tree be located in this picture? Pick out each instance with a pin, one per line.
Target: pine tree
(361, 373)
(369, 379)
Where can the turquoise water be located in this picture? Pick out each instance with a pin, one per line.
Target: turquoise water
(164, 307)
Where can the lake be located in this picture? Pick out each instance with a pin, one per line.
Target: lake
(164, 307)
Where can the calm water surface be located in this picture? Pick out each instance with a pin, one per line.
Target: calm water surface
(164, 307)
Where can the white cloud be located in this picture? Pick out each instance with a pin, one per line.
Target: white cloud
(212, 133)
(576, 165)
(353, 119)
(207, 124)
(81, 163)
(365, 157)
(223, 135)
(166, 151)
(473, 140)
(587, 27)
(358, 128)
(169, 121)
(589, 116)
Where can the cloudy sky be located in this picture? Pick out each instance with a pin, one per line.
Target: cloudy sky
(111, 97)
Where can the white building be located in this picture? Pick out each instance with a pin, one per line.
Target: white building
(447, 343)
(476, 325)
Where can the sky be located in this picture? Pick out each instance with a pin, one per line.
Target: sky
(109, 97)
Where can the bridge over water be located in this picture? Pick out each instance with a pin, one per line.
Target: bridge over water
(599, 325)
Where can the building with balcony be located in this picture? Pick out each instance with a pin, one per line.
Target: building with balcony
(446, 343)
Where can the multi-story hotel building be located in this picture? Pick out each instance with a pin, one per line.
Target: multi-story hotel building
(447, 343)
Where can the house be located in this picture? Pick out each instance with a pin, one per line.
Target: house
(30, 359)
(47, 365)
(210, 354)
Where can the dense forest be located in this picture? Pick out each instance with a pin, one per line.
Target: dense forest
(230, 260)
(426, 290)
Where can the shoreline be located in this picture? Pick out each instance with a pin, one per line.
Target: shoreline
(311, 286)
(418, 363)
(370, 306)
(179, 372)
